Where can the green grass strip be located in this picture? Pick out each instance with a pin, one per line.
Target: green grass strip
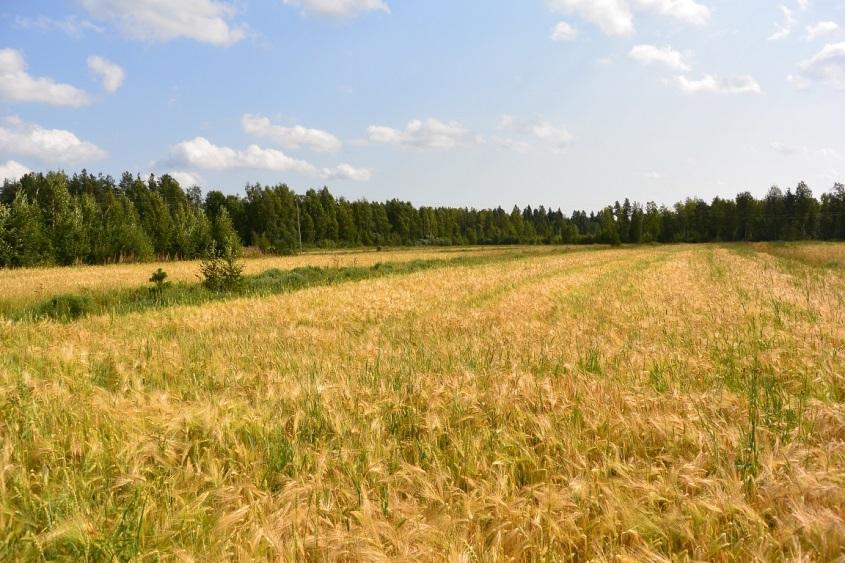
(72, 306)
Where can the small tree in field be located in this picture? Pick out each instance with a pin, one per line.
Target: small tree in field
(160, 283)
(220, 269)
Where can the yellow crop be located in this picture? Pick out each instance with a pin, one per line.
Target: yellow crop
(649, 403)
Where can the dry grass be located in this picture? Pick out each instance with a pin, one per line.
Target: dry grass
(663, 403)
(32, 284)
(829, 255)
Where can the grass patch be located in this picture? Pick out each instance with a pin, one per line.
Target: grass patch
(70, 307)
(66, 307)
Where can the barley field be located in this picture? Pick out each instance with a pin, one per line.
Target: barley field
(30, 284)
(644, 403)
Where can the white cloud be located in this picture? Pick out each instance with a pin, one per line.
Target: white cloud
(13, 170)
(534, 132)
(290, 137)
(16, 85)
(553, 137)
(347, 172)
(685, 10)
(71, 25)
(784, 29)
(803, 4)
(667, 56)
(47, 145)
(715, 85)
(799, 82)
(822, 29)
(789, 150)
(510, 144)
(564, 32)
(428, 134)
(614, 17)
(207, 21)
(831, 153)
(201, 153)
(828, 65)
(186, 179)
(653, 175)
(339, 8)
(111, 74)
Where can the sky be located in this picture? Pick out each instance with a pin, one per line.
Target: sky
(566, 103)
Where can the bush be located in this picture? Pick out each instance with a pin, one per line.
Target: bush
(221, 272)
(66, 307)
(159, 281)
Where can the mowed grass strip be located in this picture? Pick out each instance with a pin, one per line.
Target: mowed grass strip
(639, 404)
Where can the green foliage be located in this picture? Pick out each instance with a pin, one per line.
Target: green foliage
(26, 238)
(5, 244)
(274, 281)
(56, 219)
(223, 233)
(66, 307)
(221, 271)
(160, 283)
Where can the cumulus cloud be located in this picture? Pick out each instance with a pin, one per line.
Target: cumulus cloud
(71, 25)
(684, 10)
(666, 56)
(828, 65)
(290, 137)
(186, 179)
(110, 74)
(202, 153)
(428, 134)
(784, 29)
(207, 21)
(564, 32)
(715, 85)
(17, 85)
(346, 172)
(536, 132)
(47, 145)
(615, 17)
(13, 170)
(822, 29)
(340, 8)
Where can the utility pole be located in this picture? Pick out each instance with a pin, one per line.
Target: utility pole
(298, 222)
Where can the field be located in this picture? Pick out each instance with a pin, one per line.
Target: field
(643, 403)
(37, 283)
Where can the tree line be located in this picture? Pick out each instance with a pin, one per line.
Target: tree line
(54, 218)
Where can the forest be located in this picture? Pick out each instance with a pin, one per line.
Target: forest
(56, 218)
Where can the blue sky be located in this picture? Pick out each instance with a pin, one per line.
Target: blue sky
(569, 103)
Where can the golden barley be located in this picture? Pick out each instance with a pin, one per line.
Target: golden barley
(650, 403)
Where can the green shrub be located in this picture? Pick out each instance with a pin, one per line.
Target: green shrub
(159, 281)
(66, 307)
(221, 271)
